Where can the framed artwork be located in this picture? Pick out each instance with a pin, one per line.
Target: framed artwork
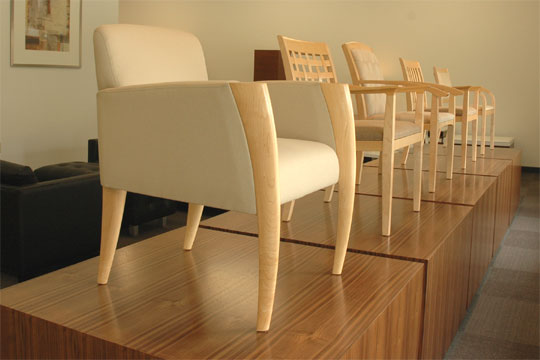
(46, 33)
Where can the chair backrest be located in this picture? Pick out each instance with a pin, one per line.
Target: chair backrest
(442, 77)
(306, 60)
(128, 54)
(364, 65)
(412, 71)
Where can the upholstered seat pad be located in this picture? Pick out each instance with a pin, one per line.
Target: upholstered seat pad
(305, 167)
(410, 115)
(372, 130)
(459, 110)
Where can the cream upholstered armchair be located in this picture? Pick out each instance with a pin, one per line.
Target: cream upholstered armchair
(247, 147)
(366, 71)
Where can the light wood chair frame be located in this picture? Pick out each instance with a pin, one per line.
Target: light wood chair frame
(255, 109)
(433, 126)
(483, 111)
(412, 71)
(302, 62)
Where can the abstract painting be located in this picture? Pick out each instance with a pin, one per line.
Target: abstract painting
(45, 32)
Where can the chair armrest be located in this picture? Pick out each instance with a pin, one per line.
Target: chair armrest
(414, 85)
(468, 88)
(483, 91)
(190, 133)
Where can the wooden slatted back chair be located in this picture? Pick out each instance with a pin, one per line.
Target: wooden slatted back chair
(442, 76)
(366, 71)
(465, 113)
(311, 61)
(307, 61)
(412, 71)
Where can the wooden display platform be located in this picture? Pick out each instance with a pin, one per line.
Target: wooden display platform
(439, 236)
(163, 302)
(511, 154)
(507, 197)
(479, 192)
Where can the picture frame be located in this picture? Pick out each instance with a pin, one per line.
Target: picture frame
(46, 33)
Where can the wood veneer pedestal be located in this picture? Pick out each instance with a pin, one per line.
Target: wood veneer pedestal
(164, 302)
(511, 154)
(439, 236)
(500, 169)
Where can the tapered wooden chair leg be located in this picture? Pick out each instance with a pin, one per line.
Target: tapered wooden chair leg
(464, 136)
(417, 191)
(483, 134)
(329, 193)
(387, 184)
(405, 155)
(269, 225)
(359, 166)
(474, 139)
(492, 132)
(450, 151)
(193, 219)
(287, 211)
(345, 213)
(111, 220)
(433, 140)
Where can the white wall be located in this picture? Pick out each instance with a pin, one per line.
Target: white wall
(48, 114)
(492, 43)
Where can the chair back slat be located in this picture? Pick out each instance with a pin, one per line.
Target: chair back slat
(412, 71)
(306, 61)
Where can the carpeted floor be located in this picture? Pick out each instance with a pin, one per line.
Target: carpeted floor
(503, 321)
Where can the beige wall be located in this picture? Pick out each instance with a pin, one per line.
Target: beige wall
(48, 114)
(493, 43)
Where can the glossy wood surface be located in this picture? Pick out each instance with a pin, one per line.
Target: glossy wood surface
(482, 239)
(415, 235)
(461, 189)
(482, 166)
(447, 288)
(439, 235)
(503, 211)
(511, 154)
(167, 303)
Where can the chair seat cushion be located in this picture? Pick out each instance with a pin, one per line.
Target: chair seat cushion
(459, 110)
(305, 167)
(372, 130)
(409, 116)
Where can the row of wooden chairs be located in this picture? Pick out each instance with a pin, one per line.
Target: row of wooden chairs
(378, 126)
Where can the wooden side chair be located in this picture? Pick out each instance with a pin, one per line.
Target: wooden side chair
(311, 61)
(412, 71)
(366, 71)
(224, 144)
(485, 109)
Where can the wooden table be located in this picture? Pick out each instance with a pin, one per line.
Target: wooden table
(439, 237)
(163, 302)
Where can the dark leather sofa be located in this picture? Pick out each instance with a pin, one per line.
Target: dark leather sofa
(50, 217)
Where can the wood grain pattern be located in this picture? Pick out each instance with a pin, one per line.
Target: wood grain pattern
(461, 190)
(415, 235)
(447, 286)
(482, 239)
(482, 166)
(503, 207)
(383, 342)
(439, 236)
(172, 304)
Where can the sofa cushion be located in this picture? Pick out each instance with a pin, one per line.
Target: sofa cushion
(64, 170)
(15, 174)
